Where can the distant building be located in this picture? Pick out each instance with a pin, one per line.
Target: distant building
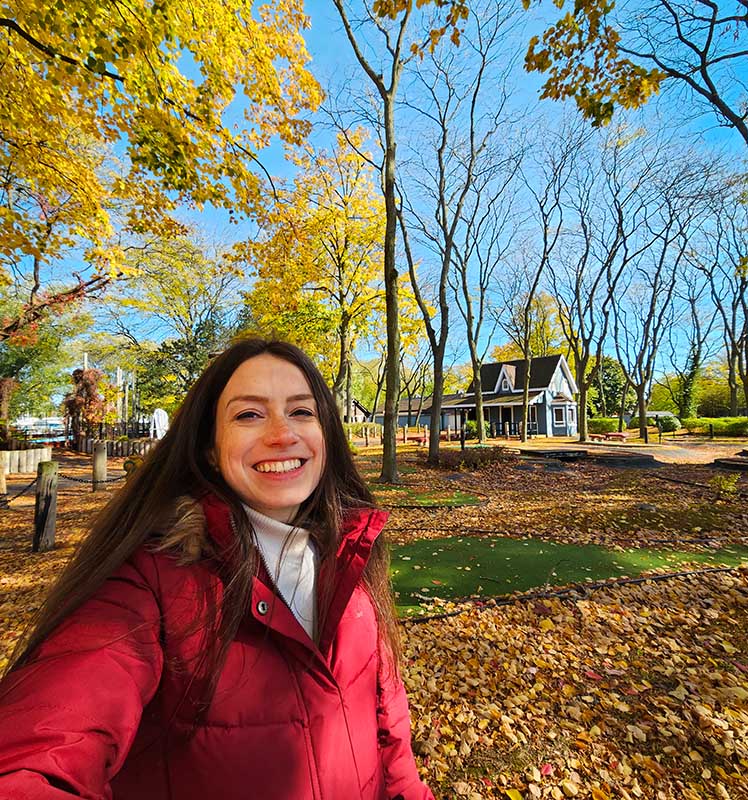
(552, 409)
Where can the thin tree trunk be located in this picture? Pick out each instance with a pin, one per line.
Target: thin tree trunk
(641, 402)
(478, 386)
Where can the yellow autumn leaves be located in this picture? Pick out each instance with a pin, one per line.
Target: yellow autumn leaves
(154, 84)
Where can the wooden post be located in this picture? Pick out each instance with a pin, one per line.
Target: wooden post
(366, 435)
(99, 466)
(3, 484)
(45, 509)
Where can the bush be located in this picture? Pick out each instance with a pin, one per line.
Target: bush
(722, 426)
(471, 429)
(473, 457)
(602, 424)
(669, 424)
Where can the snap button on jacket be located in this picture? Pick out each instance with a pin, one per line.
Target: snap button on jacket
(100, 712)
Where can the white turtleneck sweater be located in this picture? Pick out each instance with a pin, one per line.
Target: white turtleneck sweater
(291, 561)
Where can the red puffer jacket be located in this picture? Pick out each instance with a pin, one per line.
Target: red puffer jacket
(100, 711)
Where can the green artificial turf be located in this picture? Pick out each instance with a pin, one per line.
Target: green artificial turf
(457, 567)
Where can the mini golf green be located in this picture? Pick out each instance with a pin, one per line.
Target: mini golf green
(460, 566)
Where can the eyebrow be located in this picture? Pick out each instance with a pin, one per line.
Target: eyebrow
(255, 398)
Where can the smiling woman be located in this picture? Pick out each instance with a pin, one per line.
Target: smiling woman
(269, 444)
(227, 626)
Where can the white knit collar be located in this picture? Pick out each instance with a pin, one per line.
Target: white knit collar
(272, 527)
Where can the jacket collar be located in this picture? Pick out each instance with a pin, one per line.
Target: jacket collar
(359, 530)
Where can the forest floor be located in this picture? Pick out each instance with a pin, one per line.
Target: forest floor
(619, 687)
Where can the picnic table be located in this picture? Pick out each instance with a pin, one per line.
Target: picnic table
(609, 436)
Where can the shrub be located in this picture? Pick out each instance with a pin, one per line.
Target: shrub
(471, 429)
(473, 457)
(602, 424)
(721, 426)
(669, 424)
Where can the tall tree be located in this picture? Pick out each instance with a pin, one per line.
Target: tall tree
(725, 263)
(455, 115)
(606, 55)
(322, 243)
(644, 310)
(545, 179)
(614, 181)
(179, 305)
(385, 79)
(490, 225)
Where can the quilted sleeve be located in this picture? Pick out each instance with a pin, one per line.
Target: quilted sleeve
(69, 717)
(401, 777)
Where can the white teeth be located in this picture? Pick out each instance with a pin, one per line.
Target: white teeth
(278, 466)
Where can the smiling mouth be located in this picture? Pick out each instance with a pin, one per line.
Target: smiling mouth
(280, 466)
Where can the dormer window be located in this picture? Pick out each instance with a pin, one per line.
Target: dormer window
(505, 385)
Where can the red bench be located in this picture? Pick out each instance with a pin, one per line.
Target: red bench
(596, 437)
(616, 436)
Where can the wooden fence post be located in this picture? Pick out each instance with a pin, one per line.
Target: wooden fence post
(3, 484)
(366, 435)
(99, 466)
(45, 508)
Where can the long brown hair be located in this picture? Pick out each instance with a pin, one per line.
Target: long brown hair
(179, 464)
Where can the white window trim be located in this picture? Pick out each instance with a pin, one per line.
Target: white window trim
(556, 420)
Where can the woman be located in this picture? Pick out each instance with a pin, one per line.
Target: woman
(226, 630)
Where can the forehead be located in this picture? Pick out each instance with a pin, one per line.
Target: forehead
(266, 376)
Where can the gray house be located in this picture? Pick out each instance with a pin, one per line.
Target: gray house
(553, 410)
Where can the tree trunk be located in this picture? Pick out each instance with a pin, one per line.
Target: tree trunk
(582, 411)
(392, 369)
(583, 382)
(622, 409)
(7, 385)
(732, 380)
(478, 386)
(338, 385)
(436, 408)
(641, 402)
(526, 400)
(349, 392)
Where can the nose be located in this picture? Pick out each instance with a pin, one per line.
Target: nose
(279, 432)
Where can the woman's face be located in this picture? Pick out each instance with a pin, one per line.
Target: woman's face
(269, 446)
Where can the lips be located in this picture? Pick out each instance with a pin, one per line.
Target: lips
(279, 466)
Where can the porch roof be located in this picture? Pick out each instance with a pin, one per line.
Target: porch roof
(492, 399)
(510, 399)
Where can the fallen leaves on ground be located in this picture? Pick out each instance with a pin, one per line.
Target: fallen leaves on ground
(636, 692)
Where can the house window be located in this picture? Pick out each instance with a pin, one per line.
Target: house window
(558, 415)
(572, 415)
(505, 385)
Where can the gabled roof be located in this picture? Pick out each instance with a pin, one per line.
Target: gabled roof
(542, 370)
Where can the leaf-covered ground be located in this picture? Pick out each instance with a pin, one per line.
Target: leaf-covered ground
(631, 691)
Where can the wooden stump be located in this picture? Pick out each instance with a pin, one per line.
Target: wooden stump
(45, 509)
(99, 466)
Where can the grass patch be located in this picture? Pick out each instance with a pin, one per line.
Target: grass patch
(457, 567)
